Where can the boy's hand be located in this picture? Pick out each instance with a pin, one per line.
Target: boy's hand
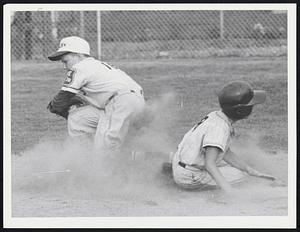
(266, 176)
(253, 172)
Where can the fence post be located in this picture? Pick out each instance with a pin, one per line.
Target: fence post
(99, 35)
(54, 17)
(43, 13)
(28, 35)
(221, 24)
(81, 30)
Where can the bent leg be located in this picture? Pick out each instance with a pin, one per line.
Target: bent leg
(231, 174)
(119, 114)
(201, 179)
(189, 178)
(83, 120)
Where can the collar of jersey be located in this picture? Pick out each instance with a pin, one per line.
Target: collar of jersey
(85, 59)
(226, 119)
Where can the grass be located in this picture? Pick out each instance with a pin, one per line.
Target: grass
(195, 82)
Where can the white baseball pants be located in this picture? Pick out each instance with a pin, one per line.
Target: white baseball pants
(110, 126)
(193, 178)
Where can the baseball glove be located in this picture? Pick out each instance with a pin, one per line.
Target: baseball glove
(62, 109)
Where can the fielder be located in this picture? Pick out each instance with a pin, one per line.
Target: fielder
(95, 97)
(199, 160)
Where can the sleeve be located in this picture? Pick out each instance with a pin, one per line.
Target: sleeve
(74, 81)
(216, 136)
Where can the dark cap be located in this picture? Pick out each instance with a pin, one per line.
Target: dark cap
(240, 93)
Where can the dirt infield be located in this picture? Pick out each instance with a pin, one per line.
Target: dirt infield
(180, 92)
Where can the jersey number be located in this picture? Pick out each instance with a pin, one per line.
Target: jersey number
(69, 78)
(198, 124)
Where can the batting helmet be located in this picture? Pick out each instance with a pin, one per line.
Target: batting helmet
(238, 98)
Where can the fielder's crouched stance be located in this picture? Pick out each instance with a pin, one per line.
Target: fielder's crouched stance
(96, 98)
(199, 160)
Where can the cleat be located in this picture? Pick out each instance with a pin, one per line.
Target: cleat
(167, 168)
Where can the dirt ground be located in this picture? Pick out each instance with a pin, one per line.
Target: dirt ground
(132, 184)
(137, 190)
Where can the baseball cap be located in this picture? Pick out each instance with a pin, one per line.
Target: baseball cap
(240, 93)
(71, 44)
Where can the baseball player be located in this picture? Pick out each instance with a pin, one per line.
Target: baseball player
(199, 160)
(96, 98)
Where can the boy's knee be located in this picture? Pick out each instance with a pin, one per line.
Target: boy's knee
(112, 142)
(77, 125)
(108, 143)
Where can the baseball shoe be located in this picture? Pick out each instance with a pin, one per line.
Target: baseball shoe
(167, 169)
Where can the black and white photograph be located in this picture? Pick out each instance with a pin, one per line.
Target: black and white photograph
(149, 115)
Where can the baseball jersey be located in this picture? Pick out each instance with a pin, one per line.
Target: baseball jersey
(97, 81)
(213, 130)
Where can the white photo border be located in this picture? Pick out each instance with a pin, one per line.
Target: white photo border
(288, 221)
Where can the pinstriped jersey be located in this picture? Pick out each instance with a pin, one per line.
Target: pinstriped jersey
(213, 130)
(97, 80)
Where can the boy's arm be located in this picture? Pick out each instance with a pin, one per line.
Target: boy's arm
(235, 161)
(211, 155)
(238, 163)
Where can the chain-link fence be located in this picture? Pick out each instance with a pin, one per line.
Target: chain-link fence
(152, 34)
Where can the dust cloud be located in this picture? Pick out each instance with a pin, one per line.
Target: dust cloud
(73, 167)
(253, 189)
(259, 158)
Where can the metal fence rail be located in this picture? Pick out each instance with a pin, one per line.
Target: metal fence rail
(152, 34)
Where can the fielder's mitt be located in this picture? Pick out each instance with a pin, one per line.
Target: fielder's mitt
(61, 108)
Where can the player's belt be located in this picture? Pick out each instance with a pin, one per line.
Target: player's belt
(182, 164)
(121, 93)
(187, 166)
